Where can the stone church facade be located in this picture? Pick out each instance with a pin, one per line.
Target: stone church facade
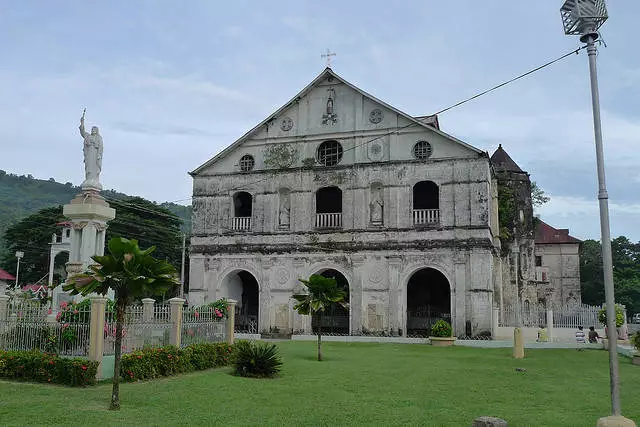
(339, 183)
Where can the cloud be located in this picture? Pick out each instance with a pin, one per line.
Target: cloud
(582, 216)
(159, 129)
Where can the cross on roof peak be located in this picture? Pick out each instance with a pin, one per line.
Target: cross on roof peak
(328, 56)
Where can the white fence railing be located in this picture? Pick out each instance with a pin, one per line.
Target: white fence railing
(329, 220)
(536, 316)
(426, 216)
(29, 326)
(241, 223)
(574, 316)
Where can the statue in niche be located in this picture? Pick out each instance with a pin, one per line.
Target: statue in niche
(285, 209)
(330, 118)
(377, 205)
(92, 156)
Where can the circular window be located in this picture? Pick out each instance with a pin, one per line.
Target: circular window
(422, 150)
(329, 153)
(246, 163)
(376, 115)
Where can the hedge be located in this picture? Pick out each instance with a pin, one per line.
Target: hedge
(46, 367)
(151, 362)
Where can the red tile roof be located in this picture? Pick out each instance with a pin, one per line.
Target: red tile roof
(5, 276)
(546, 234)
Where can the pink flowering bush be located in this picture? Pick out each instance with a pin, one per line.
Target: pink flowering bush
(216, 310)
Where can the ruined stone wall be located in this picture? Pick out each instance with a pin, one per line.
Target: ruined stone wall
(561, 263)
(377, 285)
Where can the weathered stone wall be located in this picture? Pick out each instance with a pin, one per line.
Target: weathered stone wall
(377, 282)
(561, 262)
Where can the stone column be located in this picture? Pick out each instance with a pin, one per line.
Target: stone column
(96, 331)
(459, 294)
(356, 318)
(231, 320)
(176, 320)
(397, 299)
(147, 309)
(494, 321)
(4, 307)
(550, 325)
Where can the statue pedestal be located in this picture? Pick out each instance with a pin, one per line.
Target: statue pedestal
(89, 214)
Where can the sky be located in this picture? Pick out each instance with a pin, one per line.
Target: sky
(171, 83)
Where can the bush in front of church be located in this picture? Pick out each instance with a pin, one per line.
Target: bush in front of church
(441, 329)
(257, 359)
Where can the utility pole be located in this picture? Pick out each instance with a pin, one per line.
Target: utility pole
(184, 249)
(19, 255)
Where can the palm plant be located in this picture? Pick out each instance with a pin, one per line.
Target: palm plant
(131, 273)
(322, 293)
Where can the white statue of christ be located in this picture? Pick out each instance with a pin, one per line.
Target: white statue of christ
(92, 157)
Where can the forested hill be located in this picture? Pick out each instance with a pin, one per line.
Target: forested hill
(21, 196)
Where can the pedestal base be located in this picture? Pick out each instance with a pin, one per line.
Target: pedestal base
(616, 421)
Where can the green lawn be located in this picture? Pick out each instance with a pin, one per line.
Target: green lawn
(357, 384)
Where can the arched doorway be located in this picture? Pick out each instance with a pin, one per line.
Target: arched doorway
(428, 300)
(336, 319)
(242, 286)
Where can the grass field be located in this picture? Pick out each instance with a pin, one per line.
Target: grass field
(357, 384)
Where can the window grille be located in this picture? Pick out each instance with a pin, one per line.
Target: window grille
(246, 163)
(329, 153)
(422, 150)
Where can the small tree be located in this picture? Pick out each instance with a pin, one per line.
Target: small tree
(322, 292)
(131, 273)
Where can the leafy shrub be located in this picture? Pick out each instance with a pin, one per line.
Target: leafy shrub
(150, 363)
(257, 359)
(45, 367)
(602, 316)
(635, 340)
(441, 328)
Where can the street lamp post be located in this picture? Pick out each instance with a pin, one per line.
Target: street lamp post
(19, 255)
(583, 18)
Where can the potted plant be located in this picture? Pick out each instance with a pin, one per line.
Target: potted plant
(441, 334)
(636, 343)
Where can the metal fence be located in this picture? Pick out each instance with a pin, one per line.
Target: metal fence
(525, 315)
(202, 324)
(574, 316)
(536, 316)
(139, 329)
(31, 326)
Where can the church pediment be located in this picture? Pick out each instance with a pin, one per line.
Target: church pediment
(330, 108)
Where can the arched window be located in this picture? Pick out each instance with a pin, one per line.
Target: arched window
(329, 153)
(426, 203)
(329, 207)
(242, 210)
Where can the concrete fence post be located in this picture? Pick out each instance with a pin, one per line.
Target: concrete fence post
(550, 324)
(494, 322)
(4, 307)
(147, 309)
(96, 331)
(176, 320)
(231, 320)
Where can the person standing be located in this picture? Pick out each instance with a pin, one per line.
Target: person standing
(580, 338)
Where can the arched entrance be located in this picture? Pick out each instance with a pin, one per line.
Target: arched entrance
(428, 300)
(336, 319)
(242, 286)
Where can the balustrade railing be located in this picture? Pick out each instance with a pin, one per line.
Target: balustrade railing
(329, 220)
(426, 216)
(241, 223)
